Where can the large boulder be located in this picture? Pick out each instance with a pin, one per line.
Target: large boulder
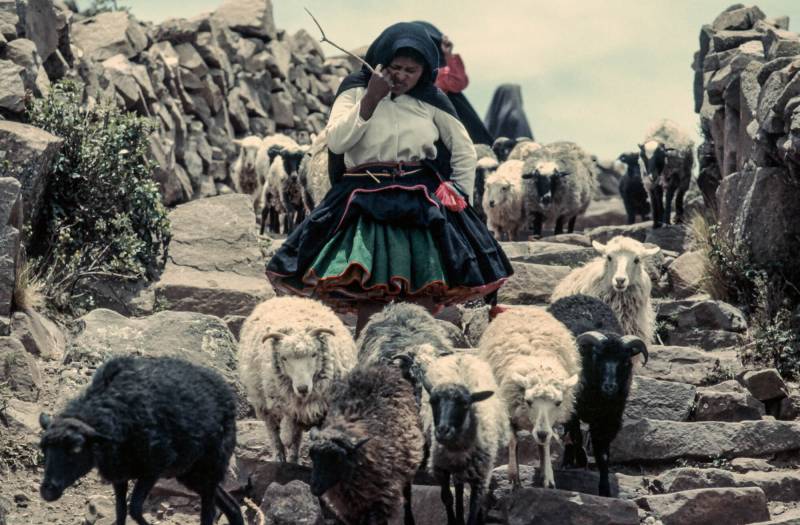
(215, 265)
(18, 370)
(656, 399)
(10, 227)
(705, 314)
(248, 17)
(702, 507)
(690, 365)
(777, 485)
(650, 440)
(201, 339)
(531, 283)
(30, 152)
(727, 401)
(686, 274)
(8, 19)
(48, 26)
(538, 506)
(12, 87)
(40, 336)
(549, 253)
(107, 34)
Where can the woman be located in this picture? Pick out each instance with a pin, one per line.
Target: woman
(506, 116)
(452, 79)
(395, 224)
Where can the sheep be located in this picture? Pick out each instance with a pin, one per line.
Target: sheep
(281, 197)
(313, 173)
(369, 447)
(606, 378)
(244, 175)
(666, 158)
(291, 350)
(558, 183)
(524, 149)
(469, 425)
(631, 188)
(487, 164)
(502, 147)
(618, 277)
(537, 366)
(146, 418)
(503, 201)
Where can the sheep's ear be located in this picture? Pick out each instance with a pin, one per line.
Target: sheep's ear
(45, 421)
(649, 252)
(274, 151)
(476, 397)
(599, 247)
(360, 443)
(563, 173)
(571, 381)
(238, 142)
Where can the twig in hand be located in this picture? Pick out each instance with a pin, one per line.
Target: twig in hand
(325, 39)
(254, 507)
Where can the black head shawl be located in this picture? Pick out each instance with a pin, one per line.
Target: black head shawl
(382, 51)
(436, 36)
(506, 116)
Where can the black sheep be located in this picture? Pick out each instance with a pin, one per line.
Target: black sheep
(631, 188)
(606, 377)
(145, 418)
(502, 147)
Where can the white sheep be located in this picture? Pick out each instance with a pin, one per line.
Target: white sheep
(291, 351)
(618, 277)
(244, 175)
(314, 173)
(537, 365)
(523, 150)
(467, 425)
(559, 181)
(486, 165)
(503, 201)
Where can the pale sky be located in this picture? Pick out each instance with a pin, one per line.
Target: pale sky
(594, 72)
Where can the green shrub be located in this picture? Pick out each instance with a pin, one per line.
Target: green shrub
(104, 216)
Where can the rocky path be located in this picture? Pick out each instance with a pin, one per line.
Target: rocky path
(704, 441)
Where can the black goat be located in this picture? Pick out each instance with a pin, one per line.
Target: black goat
(605, 379)
(145, 418)
(502, 147)
(631, 188)
(668, 174)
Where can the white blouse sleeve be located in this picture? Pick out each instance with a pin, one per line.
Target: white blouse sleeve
(462, 152)
(345, 125)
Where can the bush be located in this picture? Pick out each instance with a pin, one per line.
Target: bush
(104, 216)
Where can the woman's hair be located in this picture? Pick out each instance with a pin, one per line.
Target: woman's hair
(416, 56)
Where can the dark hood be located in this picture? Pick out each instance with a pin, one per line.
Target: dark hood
(506, 116)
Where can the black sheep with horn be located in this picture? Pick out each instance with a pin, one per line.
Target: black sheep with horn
(607, 371)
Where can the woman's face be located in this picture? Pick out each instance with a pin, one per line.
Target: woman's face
(405, 73)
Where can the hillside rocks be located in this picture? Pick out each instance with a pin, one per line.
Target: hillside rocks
(10, 231)
(701, 507)
(531, 283)
(537, 506)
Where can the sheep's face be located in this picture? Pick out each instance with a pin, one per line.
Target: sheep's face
(67, 448)
(333, 460)
(453, 416)
(291, 162)
(653, 158)
(546, 178)
(502, 147)
(623, 262)
(299, 357)
(543, 404)
(630, 161)
(248, 154)
(608, 365)
(498, 192)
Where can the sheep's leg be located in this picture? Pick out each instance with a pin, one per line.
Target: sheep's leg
(547, 465)
(229, 506)
(668, 204)
(141, 489)
(559, 225)
(601, 447)
(408, 518)
(264, 218)
(537, 224)
(513, 464)
(679, 205)
(475, 503)
(629, 211)
(571, 224)
(274, 431)
(447, 496)
(297, 438)
(460, 503)
(207, 509)
(574, 455)
(657, 200)
(120, 495)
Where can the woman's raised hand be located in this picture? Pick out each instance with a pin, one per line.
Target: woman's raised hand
(379, 85)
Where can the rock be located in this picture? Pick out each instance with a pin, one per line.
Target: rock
(605, 212)
(645, 440)
(738, 19)
(23, 416)
(724, 40)
(656, 399)
(248, 17)
(577, 239)
(10, 247)
(549, 253)
(778, 485)
(47, 24)
(40, 336)
(12, 87)
(751, 464)
(23, 53)
(291, 503)
(690, 365)
(30, 152)
(765, 385)
(732, 506)
(107, 34)
(715, 405)
(531, 283)
(790, 407)
(604, 234)
(537, 506)
(705, 314)
(755, 205)
(668, 238)
(705, 339)
(18, 369)
(214, 266)
(202, 339)
(282, 109)
(686, 274)
(8, 19)
(426, 505)
(573, 480)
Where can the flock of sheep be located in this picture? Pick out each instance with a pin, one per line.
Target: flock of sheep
(397, 399)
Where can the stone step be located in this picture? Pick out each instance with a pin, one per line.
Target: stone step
(781, 485)
(549, 253)
(690, 365)
(531, 283)
(537, 506)
(656, 399)
(731, 506)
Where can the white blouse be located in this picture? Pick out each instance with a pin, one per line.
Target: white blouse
(400, 129)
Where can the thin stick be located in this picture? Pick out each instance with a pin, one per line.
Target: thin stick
(259, 515)
(325, 39)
